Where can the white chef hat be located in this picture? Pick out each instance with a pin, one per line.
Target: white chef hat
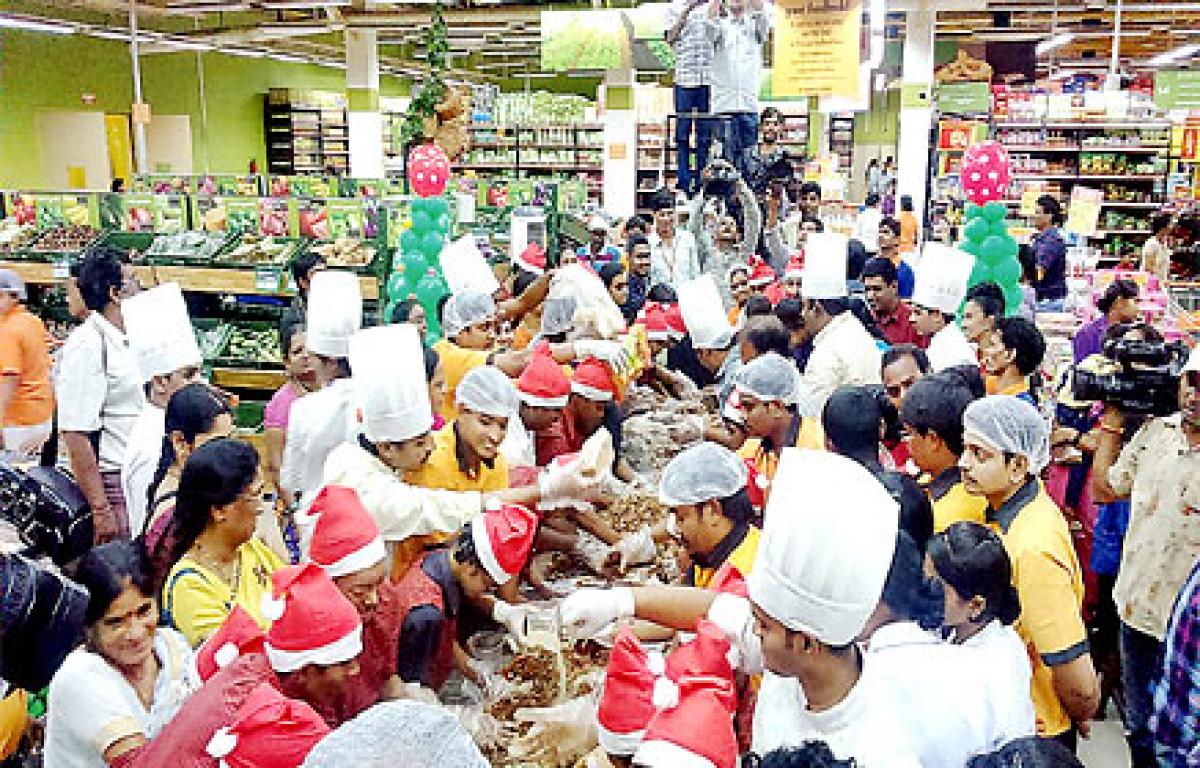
(334, 312)
(826, 547)
(487, 390)
(465, 309)
(942, 277)
(389, 383)
(824, 266)
(160, 331)
(704, 314)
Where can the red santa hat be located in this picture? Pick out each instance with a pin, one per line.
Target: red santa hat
(268, 731)
(794, 267)
(756, 484)
(707, 654)
(543, 383)
(503, 537)
(594, 381)
(654, 318)
(675, 324)
(695, 732)
(627, 703)
(314, 623)
(761, 273)
(345, 538)
(239, 635)
(533, 258)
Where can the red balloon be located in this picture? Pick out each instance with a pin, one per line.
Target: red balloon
(984, 173)
(428, 170)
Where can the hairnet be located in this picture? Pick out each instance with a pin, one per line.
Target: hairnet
(701, 473)
(558, 315)
(1010, 425)
(465, 309)
(487, 390)
(409, 733)
(770, 378)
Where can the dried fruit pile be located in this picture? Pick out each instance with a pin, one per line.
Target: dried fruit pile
(534, 675)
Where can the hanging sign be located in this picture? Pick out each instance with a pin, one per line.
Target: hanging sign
(1178, 89)
(817, 48)
(964, 98)
(1083, 212)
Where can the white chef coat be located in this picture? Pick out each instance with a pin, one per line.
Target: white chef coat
(844, 354)
(737, 60)
(676, 264)
(142, 455)
(942, 695)
(864, 726)
(99, 387)
(318, 423)
(400, 510)
(949, 347)
(1005, 664)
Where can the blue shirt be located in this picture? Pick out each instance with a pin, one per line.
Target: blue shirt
(1050, 253)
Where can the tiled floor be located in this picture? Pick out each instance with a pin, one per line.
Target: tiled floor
(1106, 748)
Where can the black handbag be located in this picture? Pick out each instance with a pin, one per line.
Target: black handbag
(41, 621)
(48, 510)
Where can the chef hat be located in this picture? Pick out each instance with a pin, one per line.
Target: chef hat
(465, 309)
(695, 733)
(488, 391)
(769, 378)
(558, 314)
(268, 731)
(1010, 425)
(824, 266)
(405, 733)
(794, 267)
(334, 313)
(503, 537)
(239, 635)
(627, 700)
(594, 380)
(543, 383)
(701, 473)
(704, 314)
(392, 395)
(533, 259)
(942, 277)
(345, 538)
(313, 622)
(160, 331)
(826, 547)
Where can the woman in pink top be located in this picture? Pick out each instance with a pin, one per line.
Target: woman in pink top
(437, 386)
(301, 379)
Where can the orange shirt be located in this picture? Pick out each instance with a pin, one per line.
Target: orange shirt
(24, 354)
(908, 232)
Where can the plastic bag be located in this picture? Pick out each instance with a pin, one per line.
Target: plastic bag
(567, 475)
(595, 309)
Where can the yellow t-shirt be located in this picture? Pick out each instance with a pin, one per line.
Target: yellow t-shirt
(1049, 582)
(196, 600)
(954, 505)
(441, 468)
(456, 363)
(742, 558)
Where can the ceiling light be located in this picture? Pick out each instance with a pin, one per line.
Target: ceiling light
(176, 44)
(36, 25)
(1170, 57)
(290, 30)
(203, 6)
(247, 53)
(108, 34)
(288, 58)
(1061, 39)
(297, 5)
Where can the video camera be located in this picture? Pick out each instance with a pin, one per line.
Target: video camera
(1143, 377)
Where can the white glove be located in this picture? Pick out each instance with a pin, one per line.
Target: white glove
(636, 548)
(564, 488)
(586, 612)
(560, 734)
(611, 352)
(512, 616)
(732, 614)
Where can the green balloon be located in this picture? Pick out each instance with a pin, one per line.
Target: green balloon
(969, 246)
(436, 207)
(430, 289)
(413, 263)
(395, 284)
(977, 230)
(980, 273)
(1013, 298)
(421, 204)
(993, 250)
(995, 211)
(973, 211)
(422, 222)
(410, 241)
(1007, 272)
(431, 245)
(1011, 249)
(999, 228)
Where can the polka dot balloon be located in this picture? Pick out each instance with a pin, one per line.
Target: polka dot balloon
(984, 172)
(428, 170)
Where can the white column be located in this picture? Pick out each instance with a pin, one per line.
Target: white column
(362, 97)
(139, 126)
(916, 114)
(620, 143)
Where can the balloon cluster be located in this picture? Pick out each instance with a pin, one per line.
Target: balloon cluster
(995, 251)
(417, 273)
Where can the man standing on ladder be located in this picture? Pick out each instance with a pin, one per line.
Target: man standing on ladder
(687, 33)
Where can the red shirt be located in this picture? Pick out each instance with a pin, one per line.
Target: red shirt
(898, 328)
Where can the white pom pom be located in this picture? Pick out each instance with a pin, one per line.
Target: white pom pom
(493, 505)
(733, 657)
(656, 663)
(272, 609)
(762, 481)
(226, 655)
(666, 693)
(222, 743)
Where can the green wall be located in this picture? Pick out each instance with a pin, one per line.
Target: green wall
(40, 72)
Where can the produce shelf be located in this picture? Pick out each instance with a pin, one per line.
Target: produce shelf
(248, 378)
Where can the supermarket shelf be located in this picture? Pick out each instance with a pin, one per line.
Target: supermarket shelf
(248, 378)
(1107, 232)
(1117, 177)
(1127, 150)
(1044, 176)
(1036, 148)
(1077, 148)
(1069, 125)
(1119, 204)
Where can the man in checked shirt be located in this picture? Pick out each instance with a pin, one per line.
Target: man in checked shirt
(687, 34)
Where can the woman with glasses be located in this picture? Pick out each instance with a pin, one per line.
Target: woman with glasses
(218, 561)
(130, 677)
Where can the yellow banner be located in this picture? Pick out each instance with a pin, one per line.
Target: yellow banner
(817, 48)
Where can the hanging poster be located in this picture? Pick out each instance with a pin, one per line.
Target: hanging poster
(817, 48)
(1083, 212)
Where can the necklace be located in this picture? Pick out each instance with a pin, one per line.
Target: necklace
(229, 572)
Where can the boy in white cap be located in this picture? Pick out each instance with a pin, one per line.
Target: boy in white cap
(941, 285)
(323, 420)
(844, 354)
(160, 335)
(711, 334)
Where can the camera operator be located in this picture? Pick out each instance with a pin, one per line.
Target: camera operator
(730, 244)
(1155, 472)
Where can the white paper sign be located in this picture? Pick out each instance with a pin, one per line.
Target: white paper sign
(465, 267)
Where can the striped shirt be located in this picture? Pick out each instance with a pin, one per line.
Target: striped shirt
(693, 49)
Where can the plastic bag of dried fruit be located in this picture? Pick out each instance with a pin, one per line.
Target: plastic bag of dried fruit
(559, 735)
(574, 477)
